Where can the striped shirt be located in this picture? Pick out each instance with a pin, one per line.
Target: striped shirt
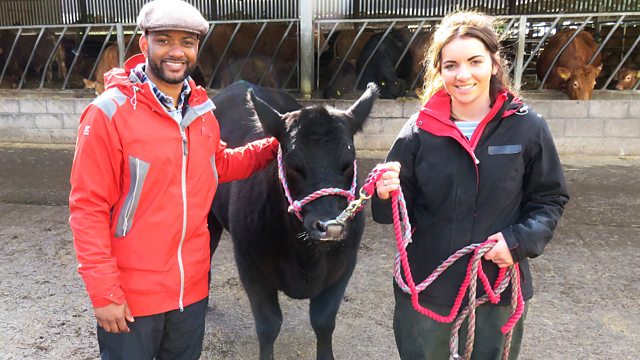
(467, 127)
(138, 75)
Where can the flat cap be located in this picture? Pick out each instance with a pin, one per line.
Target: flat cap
(172, 15)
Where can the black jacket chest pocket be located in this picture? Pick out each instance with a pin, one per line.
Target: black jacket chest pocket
(505, 149)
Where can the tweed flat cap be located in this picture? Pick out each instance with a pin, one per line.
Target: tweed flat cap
(172, 15)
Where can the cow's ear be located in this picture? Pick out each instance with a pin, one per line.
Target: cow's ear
(598, 69)
(359, 111)
(271, 120)
(563, 72)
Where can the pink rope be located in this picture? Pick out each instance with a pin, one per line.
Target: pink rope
(402, 230)
(295, 206)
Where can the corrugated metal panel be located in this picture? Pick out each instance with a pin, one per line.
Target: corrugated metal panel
(57, 12)
(54, 12)
(361, 9)
(30, 12)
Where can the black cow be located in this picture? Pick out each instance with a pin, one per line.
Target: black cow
(275, 251)
(380, 67)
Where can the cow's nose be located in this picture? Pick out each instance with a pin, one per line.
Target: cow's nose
(329, 230)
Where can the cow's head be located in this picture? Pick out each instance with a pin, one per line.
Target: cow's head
(627, 78)
(391, 86)
(318, 153)
(579, 81)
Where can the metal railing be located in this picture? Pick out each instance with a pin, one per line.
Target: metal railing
(524, 38)
(618, 36)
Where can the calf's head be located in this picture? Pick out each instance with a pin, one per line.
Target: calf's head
(627, 78)
(318, 153)
(579, 81)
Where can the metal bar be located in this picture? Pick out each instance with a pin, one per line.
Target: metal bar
(346, 56)
(224, 54)
(99, 58)
(75, 59)
(509, 25)
(275, 53)
(406, 49)
(555, 60)
(305, 41)
(204, 41)
(517, 81)
(541, 42)
(366, 63)
(8, 58)
(606, 39)
(132, 40)
(326, 43)
(251, 49)
(120, 41)
(53, 53)
(33, 52)
(626, 56)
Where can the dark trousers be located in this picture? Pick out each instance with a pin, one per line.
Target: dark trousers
(170, 335)
(420, 337)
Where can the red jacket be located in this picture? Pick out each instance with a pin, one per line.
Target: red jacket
(141, 188)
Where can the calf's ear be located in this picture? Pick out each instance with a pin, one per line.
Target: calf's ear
(638, 74)
(359, 111)
(563, 72)
(271, 120)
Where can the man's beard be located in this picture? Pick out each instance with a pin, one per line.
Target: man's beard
(156, 67)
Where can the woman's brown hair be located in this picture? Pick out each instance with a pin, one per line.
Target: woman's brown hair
(464, 24)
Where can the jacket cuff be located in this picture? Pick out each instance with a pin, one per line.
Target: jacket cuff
(381, 211)
(275, 145)
(117, 297)
(517, 250)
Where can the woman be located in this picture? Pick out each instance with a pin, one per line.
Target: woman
(476, 164)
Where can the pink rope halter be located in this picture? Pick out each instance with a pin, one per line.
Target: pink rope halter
(295, 206)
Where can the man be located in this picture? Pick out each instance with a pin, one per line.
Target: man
(147, 164)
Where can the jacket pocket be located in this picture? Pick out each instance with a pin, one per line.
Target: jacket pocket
(505, 149)
(138, 170)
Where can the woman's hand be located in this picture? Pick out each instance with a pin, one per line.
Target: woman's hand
(389, 181)
(499, 254)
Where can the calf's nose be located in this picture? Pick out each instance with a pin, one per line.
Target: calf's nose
(330, 230)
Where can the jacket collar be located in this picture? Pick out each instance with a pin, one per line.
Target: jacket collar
(199, 102)
(435, 116)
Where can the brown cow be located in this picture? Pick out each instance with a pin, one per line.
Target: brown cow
(571, 73)
(22, 52)
(239, 48)
(109, 60)
(627, 78)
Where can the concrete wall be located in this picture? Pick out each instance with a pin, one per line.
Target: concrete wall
(598, 127)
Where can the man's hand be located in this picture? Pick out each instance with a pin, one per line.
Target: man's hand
(499, 254)
(113, 318)
(389, 181)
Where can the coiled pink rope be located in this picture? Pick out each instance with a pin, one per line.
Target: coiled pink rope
(402, 229)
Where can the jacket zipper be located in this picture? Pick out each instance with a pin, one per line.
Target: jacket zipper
(184, 215)
(127, 212)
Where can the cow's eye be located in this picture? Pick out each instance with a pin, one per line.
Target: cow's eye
(575, 84)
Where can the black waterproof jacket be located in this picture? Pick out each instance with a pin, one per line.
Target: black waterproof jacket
(507, 178)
